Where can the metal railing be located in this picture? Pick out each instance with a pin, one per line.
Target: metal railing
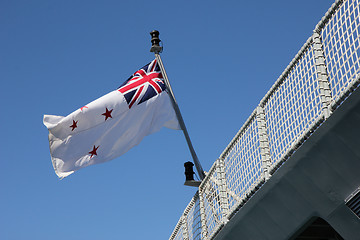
(320, 77)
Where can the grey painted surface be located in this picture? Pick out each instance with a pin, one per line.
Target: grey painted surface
(315, 181)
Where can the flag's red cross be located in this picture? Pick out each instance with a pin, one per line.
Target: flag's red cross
(107, 114)
(74, 125)
(93, 152)
(137, 89)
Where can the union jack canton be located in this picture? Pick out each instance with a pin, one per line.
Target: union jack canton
(143, 84)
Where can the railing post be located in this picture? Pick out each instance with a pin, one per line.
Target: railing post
(224, 204)
(204, 232)
(325, 92)
(264, 142)
(184, 227)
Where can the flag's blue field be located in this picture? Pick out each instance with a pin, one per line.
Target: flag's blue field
(56, 56)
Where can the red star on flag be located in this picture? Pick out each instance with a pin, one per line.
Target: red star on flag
(83, 107)
(74, 125)
(107, 114)
(93, 152)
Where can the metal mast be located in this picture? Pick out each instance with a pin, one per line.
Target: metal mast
(156, 49)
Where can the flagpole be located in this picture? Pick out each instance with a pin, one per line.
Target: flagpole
(156, 49)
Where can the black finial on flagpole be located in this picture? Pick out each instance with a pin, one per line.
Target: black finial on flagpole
(155, 40)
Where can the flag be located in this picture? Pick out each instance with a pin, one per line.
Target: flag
(112, 124)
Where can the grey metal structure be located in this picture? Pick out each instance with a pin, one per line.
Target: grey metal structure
(296, 157)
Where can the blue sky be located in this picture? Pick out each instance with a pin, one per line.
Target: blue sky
(56, 56)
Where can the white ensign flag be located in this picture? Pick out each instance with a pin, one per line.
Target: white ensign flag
(111, 125)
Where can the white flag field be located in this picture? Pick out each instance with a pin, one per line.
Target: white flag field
(112, 124)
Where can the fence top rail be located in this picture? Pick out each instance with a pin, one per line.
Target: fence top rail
(286, 72)
(275, 86)
(242, 129)
(208, 176)
(176, 229)
(191, 203)
(325, 19)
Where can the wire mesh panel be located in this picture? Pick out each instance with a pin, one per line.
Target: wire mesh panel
(341, 42)
(294, 105)
(211, 196)
(243, 164)
(193, 221)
